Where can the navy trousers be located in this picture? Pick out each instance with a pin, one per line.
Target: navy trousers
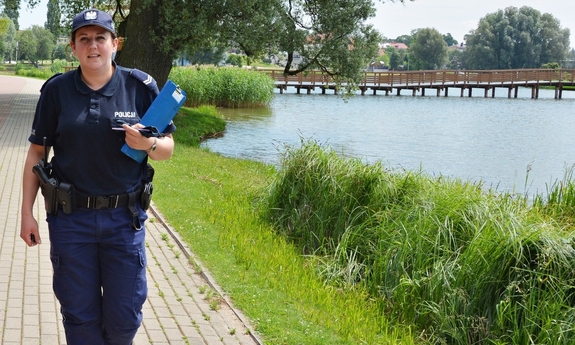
(99, 264)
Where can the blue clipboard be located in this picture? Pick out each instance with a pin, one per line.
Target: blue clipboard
(159, 114)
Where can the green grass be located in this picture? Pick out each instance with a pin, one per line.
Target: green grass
(213, 202)
(210, 201)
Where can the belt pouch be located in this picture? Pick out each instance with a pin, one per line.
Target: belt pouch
(147, 195)
(67, 197)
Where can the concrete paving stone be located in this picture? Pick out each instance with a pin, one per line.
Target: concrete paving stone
(196, 341)
(31, 331)
(13, 323)
(49, 328)
(10, 334)
(207, 331)
(157, 336)
(49, 339)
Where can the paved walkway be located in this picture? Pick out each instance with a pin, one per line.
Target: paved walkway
(180, 308)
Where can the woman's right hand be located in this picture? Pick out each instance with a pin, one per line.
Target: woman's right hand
(29, 231)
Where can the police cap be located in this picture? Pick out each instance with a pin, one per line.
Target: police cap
(93, 17)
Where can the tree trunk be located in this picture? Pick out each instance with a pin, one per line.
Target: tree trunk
(139, 50)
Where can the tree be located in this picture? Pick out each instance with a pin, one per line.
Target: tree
(429, 48)
(45, 43)
(36, 44)
(53, 23)
(449, 40)
(27, 45)
(11, 10)
(4, 25)
(405, 39)
(516, 38)
(8, 40)
(329, 35)
(455, 59)
(394, 57)
(554, 40)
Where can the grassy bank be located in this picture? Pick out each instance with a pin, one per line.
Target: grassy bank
(462, 265)
(212, 201)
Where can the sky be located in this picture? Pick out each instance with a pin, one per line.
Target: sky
(394, 19)
(458, 17)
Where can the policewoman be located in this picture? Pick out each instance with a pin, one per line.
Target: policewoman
(95, 217)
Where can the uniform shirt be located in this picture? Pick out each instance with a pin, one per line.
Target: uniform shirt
(77, 122)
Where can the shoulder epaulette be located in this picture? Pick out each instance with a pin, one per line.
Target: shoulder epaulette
(46, 82)
(145, 78)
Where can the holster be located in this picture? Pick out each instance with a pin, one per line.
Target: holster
(48, 186)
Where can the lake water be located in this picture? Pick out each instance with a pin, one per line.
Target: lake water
(521, 145)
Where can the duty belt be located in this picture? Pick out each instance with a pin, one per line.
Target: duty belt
(110, 201)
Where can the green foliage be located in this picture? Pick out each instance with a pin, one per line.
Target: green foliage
(34, 72)
(406, 39)
(449, 40)
(327, 35)
(455, 59)
(8, 45)
(224, 86)
(53, 20)
(516, 38)
(35, 44)
(4, 25)
(57, 66)
(235, 60)
(429, 48)
(464, 265)
(551, 65)
(394, 58)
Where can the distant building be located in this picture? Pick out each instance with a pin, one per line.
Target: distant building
(396, 45)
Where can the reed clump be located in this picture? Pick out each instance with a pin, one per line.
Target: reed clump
(461, 264)
(229, 87)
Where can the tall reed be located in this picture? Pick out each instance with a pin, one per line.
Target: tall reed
(466, 266)
(230, 87)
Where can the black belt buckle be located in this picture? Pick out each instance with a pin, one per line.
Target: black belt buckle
(105, 202)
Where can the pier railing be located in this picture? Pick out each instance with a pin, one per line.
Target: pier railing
(439, 80)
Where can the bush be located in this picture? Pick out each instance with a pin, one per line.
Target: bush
(58, 66)
(223, 86)
(26, 71)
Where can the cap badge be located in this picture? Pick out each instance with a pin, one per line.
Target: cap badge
(91, 15)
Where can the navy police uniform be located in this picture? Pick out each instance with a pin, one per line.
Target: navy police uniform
(98, 258)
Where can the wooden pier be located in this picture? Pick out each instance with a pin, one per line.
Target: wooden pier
(437, 81)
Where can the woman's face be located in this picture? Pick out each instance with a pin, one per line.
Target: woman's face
(94, 46)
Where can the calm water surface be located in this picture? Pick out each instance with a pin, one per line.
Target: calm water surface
(520, 145)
